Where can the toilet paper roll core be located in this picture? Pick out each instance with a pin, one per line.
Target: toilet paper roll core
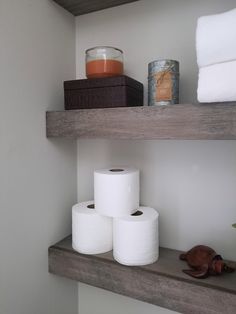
(116, 170)
(91, 206)
(137, 213)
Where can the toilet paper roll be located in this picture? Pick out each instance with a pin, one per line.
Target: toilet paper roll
(135, 238)
(116, 191)
(91, 232)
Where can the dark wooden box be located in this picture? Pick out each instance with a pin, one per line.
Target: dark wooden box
(117, 91)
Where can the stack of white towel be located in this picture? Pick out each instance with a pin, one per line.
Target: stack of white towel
(216, 56)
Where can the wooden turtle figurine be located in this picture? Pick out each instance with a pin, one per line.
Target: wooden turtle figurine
(204, 262)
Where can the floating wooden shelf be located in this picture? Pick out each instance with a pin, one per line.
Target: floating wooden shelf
(79, 7)
(162, 283)
(183, 122)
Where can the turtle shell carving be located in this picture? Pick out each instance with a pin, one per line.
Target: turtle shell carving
(204, 261)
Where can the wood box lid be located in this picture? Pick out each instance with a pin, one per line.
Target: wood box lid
(113, 81)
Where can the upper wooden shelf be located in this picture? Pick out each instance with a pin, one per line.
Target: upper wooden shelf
(162, 283)
(79, 7)
(179, 122)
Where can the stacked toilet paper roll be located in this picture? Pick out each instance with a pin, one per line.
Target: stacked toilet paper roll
(116, 220)
(116, 191)
(91, 232)
(136, 239)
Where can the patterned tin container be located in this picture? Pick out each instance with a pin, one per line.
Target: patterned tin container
(163, 82)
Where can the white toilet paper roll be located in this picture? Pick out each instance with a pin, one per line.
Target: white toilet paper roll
(116, 191)
(91, 232)
(135, 238)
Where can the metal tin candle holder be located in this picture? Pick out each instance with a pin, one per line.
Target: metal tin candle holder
(163, 82)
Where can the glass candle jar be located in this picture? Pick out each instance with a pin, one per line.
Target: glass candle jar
(104, 61)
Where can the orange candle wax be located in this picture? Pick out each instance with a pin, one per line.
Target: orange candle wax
(103, 68)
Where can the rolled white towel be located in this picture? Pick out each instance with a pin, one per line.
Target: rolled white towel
(216, 38)
(216, 83)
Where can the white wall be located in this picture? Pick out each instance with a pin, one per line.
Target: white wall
(191, 183)
(38, 176)
(98, 301)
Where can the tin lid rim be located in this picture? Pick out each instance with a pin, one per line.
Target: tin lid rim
(159, 60)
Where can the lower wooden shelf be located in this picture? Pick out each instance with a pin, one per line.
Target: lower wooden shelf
(162, 283)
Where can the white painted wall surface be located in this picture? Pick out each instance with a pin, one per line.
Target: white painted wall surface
(191, 183)
(38, 176)
(98, 301)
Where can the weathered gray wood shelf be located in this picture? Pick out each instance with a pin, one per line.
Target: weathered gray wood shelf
(79, 7)
(162, 283)
(183, 122)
